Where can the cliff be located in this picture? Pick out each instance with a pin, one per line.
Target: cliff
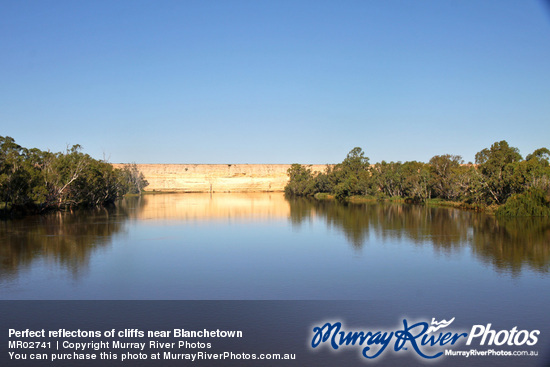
(216, 177)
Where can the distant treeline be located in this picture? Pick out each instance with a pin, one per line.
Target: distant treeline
(500, 179)
(36, 180)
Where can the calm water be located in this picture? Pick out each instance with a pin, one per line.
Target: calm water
(262, 246)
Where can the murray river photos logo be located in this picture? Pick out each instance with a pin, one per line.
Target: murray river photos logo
(427, 340)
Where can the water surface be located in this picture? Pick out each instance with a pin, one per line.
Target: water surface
(262, 246)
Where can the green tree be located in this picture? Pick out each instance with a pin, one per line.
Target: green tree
(416, 183)
(99, 184)
(495, 166)
(301, 182)
(32, 179)
(532, 173)
(323, 181)
(61, 170)
(388, 178)
(542, 155)
(445, 170)
(532, 203)
(351, 177)
(19, 175)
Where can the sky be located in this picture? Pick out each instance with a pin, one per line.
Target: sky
(275, 81)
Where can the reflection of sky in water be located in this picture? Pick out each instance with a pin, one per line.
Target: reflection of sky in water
(289, 250)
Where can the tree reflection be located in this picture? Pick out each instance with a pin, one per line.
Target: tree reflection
(508, 244)
(66, 238)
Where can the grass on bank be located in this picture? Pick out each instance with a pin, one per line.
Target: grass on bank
(437, 202)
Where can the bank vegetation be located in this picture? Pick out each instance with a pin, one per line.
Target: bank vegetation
(32, 180)
(500, 181)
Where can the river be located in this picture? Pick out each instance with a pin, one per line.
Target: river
(263, 246)
(370, 264)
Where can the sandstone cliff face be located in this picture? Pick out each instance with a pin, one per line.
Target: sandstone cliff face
(216, 177)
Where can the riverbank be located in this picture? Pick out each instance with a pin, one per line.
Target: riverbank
(362, 199)
(500, 181)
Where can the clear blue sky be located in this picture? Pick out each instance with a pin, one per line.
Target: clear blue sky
(275, 81)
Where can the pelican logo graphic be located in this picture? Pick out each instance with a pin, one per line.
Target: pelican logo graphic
(439, 325)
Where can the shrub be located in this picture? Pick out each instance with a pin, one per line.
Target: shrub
(533, 202)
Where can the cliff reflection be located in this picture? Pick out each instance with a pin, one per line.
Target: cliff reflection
(65, 238)
(217, 206)
(509, 244)
(68, 239)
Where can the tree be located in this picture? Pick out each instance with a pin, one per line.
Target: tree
(495, 166)
(534, 172)
(134, 179)
(351, 177)
(32, 179)
(323, 181)
(61, 171)
(388, 178)
(300, 182)
(533, 203)
(542, 155)
(445, 176)
(416, 183)
(19, 176)
(99, 184)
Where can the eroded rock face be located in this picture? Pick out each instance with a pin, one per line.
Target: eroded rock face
(217, 177)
